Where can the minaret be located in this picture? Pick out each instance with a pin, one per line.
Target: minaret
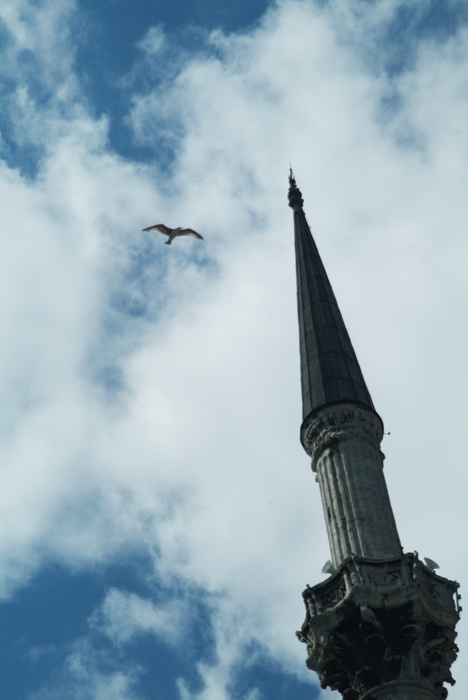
(382, 626)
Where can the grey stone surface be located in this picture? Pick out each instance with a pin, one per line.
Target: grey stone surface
(344, 443)
(373, 623)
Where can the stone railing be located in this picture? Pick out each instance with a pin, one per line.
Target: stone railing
(382, 622)
(382, 579)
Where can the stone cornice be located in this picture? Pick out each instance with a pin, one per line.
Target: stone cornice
(338, 423)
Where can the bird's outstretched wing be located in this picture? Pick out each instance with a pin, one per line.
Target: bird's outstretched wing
(190, 232)
(159, 227)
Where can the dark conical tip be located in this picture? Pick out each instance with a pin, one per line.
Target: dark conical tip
(330, 370)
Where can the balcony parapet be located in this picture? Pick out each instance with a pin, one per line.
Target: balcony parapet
(377, 622)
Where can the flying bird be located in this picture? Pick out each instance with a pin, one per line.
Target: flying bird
(174, 232)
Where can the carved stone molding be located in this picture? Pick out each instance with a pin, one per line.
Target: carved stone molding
(335, 424)
(375, 627)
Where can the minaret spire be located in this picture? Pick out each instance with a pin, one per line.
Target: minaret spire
(330, 371)
(382, 627)
(336, 400)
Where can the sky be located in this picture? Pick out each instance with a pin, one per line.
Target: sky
(159, 519)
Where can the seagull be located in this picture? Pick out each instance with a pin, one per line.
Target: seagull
(174, 232)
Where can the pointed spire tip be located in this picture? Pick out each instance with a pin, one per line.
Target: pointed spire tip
(294, 194)
(330, 371)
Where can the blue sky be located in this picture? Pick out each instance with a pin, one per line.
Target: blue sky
(159, 517)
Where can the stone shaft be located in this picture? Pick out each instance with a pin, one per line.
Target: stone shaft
(344, 443)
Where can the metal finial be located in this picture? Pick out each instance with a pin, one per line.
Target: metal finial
(294, 194)
(292, 179)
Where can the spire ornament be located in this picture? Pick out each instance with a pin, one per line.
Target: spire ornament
(294, 194)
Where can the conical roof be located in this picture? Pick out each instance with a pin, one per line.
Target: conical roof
(330, 372)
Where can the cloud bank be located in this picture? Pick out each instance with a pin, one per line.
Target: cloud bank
(151, 394)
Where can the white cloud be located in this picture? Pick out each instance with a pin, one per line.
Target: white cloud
(123, 615)
(82, 678)
(198, 453)
(153, 41)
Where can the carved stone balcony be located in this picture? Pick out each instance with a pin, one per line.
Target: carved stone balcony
(382, 629)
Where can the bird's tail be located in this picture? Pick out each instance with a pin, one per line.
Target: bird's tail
(167, 242)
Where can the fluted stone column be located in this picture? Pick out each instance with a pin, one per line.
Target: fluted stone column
(344, 444)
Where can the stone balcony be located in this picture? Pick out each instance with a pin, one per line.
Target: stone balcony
(377, 622)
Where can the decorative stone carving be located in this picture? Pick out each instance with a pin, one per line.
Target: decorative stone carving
(334, 597)
(335, 424)
(386, 578)
(386, 629)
